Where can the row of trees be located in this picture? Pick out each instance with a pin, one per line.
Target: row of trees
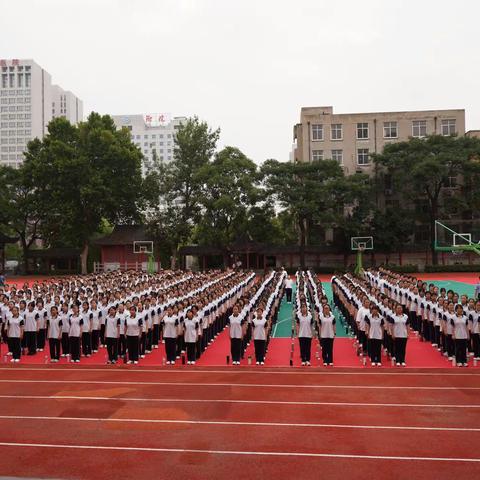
(79, 177)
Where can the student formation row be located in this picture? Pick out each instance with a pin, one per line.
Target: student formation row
(130, 313)
(383, 307)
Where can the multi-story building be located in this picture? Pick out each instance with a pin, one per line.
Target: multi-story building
(26, 107)
(66, 104)
(351, 138)
(153, 133)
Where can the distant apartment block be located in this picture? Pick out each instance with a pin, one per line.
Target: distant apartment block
(351, 138)
(28, 101)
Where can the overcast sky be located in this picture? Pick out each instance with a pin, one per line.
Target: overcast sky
(247, 66)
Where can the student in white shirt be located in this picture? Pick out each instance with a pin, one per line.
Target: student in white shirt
(14, 325)
(75, 322)
(474, 320)
(288, 289)
(86, 329)
(459, 323)
(54, 334)
(65, 328)
(191, 327)
(374, 330)
(170, 323)
(260, 326)
(448, 317)
(96, 315)
(31, 327)
(327, 331)
(305, 333)
(133, 329)
(112, 326)
(42, 326)
(122, 340)
(235, 323)
(400, 323)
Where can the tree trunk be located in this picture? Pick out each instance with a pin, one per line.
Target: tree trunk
(301, 224)
(173, 258)
(84, 258)
(25, 249)
(433, 217)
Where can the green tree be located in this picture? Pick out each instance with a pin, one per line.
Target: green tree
(172, 191)
(229, 192)
(315, 192)
(420, 169)
(90, 173)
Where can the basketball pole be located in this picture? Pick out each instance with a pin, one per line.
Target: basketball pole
(359, 264)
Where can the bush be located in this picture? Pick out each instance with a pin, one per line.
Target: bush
(452, 268)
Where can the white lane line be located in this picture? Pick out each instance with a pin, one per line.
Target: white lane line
(241, 424)
(241, 385)
(239, 452)
(235, 401)
(243, 370)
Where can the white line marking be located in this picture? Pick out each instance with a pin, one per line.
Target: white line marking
(237, 371)
(242, 424)
(254, 402)
(242, 385)
(240, 452)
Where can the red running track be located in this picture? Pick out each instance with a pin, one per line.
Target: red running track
(98, 423)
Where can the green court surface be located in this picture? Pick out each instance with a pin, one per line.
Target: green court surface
(458, 287)
(283, 328)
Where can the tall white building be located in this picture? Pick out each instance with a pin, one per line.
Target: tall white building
(153, 133)
(27, 99)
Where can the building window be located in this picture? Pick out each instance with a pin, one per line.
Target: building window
(27, 80)
(419, 128)
(317, 132)
(362, 156)
(362, 131)
(336, 131)
(449, 127)
(317, 155)
(390, 130)
(450, 182)
(338, 156)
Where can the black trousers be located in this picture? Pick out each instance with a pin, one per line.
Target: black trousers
(54, 348)
(400, 348)
(86, 343)
(198, 349)
(102, 334)
(362, 338)
(450, 346)
(476, 344)
(305, 348)
(65, 344)
(95, 340)
(191, 357)
(122, 345)
(259, 350)
(41, 336)
(180, 345)
(148, 346)
(112, 348)
(437, 334)
(461, 350)
(156, 335)
(327, 349)
(132, 347)
(170, 346)
(74, 343)
(31, 342)
(375, 350)
(235, 349)
(288, 293)
(143, 343)
(15, 346)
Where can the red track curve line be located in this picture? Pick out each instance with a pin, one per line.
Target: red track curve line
(298, 371)
(256, 402)
(242, 424)
(243, 385)
(240, 452)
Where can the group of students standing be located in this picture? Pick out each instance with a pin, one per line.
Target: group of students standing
(129, 313)
(376, 320)
(313, 318)
(445, 319)
(253, 316)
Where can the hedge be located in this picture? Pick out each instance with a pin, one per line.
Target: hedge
(452, 268)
